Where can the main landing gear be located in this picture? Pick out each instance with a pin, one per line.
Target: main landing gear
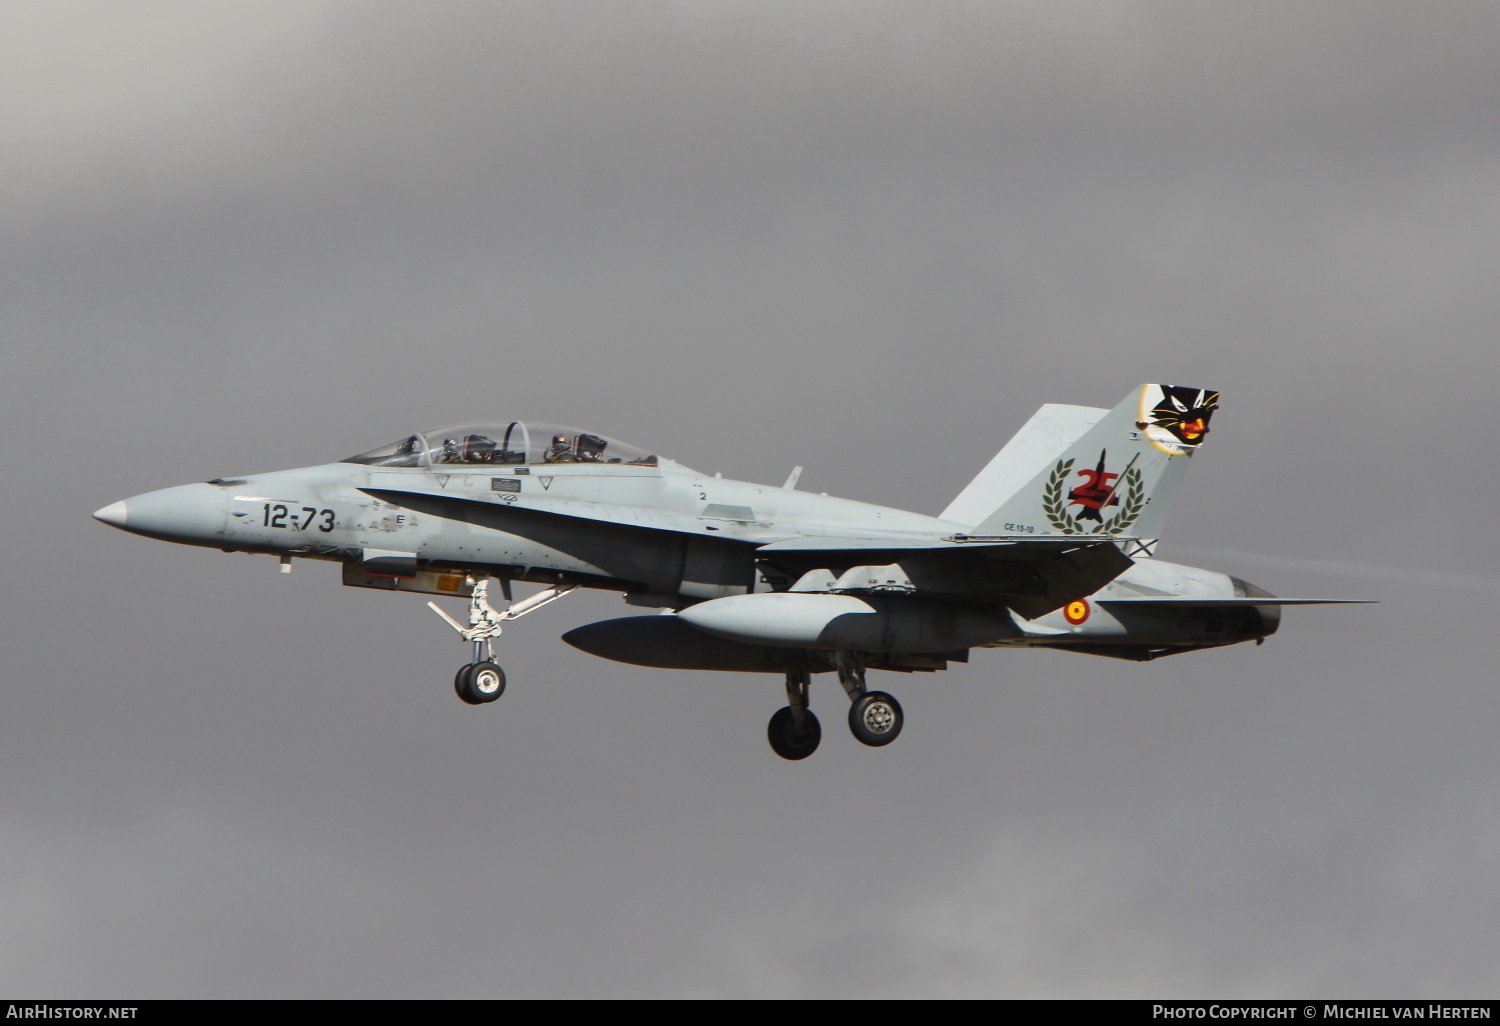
(480, 681)
(875, 718)
(794, 731)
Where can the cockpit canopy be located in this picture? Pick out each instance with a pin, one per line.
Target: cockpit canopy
(497, 444)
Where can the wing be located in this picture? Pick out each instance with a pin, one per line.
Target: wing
(1032, 575)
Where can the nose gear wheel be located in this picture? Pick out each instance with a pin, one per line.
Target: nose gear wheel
(481, 681)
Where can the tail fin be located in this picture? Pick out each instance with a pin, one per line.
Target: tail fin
(1118, 477)
(1050, 430)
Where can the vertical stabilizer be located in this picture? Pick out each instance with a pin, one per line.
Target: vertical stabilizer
(1050, 430)
(1118, 477)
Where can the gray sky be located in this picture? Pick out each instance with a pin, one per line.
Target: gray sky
(865, 237)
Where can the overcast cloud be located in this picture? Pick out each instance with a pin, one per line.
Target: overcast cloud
(869, 238)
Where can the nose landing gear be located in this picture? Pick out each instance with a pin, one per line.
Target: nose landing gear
(481, 681)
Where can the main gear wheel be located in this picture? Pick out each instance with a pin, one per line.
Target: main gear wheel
(787, 740)
(875, 718)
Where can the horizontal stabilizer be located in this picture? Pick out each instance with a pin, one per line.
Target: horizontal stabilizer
(1247, 600)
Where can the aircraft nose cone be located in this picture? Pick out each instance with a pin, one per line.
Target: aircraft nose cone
(192, 514)
(113, 514)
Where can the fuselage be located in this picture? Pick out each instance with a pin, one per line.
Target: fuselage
(662, 534)
(663, 530)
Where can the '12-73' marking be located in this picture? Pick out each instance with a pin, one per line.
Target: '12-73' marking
(278, 515)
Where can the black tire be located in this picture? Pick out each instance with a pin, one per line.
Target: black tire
(787, 741)
(875, 719)
(461, 683)
(479, 683)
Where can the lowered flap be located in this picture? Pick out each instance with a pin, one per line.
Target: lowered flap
(1033, 576)
(1069, 576)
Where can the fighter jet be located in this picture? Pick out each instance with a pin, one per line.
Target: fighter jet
(1052, 546)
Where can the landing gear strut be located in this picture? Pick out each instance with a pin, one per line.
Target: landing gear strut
(480, 680)
(794, 732)
(875, 718)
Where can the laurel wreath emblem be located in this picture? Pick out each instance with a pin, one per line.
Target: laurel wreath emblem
(1131, 491)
